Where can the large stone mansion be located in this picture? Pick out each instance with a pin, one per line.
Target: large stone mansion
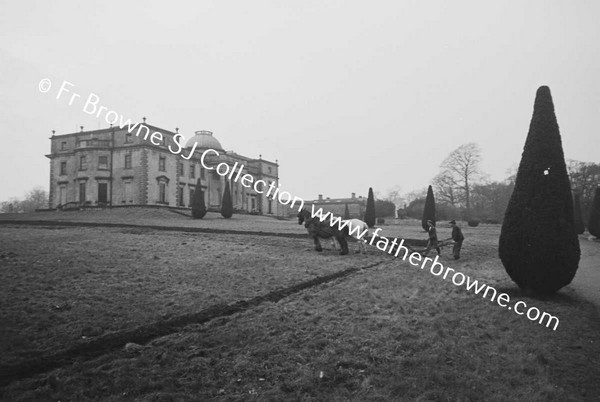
(114, 167)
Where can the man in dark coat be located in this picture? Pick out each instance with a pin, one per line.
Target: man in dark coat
(433, 239)
(458, 238)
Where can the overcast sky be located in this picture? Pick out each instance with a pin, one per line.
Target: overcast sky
(346, 95)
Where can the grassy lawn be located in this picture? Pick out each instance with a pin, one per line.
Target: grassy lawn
(391, 332)
(65, 285)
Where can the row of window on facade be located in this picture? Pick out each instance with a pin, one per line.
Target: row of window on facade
(102, 192)
(103, 165)
(94, 142)
(128, 194)
(180, 196)
(180, 168)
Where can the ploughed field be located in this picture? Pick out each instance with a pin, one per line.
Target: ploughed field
(65, 285)
(387, 332)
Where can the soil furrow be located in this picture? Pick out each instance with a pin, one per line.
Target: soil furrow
(145, 333)
(153, 227)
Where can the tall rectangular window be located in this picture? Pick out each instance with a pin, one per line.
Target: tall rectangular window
(180, 196)
(102, 193)
(127, 194)
(202, 175)
(103, 162)
(162, 192)
(82, 192)
(128, 138)
(193, 171)
(83, 163)
(128, 160)
(63, 145)
(180, 169)
(161, 164)
(63, 168)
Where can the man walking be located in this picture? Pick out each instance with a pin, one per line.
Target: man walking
(458, 238)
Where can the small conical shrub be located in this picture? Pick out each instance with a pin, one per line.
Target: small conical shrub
(370, 212)
(538, 244)
(227, 202)
(577, 219)
(346, 212)
(594, 223)
(198, 206)
(428, 210)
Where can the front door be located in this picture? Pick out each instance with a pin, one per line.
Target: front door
(102, 193)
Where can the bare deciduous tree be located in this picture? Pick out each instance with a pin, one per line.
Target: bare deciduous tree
(459, 172)
(446, 188)
(36, 198)
(415, 195)
(393, 194)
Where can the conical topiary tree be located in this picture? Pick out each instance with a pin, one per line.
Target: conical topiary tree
(538, 244)
(428, 210)
(198, 206)
(594, 222)
(346, 212)
(370, 212)
(577, 219)
(227, 202)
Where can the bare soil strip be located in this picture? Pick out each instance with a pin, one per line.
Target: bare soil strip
(59, 224)
(153, 227)
(145, 333)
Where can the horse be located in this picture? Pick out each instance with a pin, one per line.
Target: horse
(360, 231)
(317, 229)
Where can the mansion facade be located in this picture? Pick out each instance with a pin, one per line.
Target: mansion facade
(115, 167)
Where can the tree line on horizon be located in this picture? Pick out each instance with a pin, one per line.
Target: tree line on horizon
(36, 198)
(463, 192)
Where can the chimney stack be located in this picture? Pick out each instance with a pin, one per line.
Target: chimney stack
(320, 197)
(353, 195)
